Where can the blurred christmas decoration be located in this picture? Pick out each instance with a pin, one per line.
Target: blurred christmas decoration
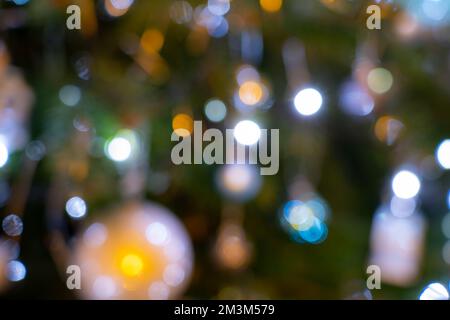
(363, 120)
(139, 251)
(304, 220)
(232, 249)
(397, 246)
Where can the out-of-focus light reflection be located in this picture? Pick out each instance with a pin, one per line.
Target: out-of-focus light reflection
(434, 291)
(121, 4)
(215, 110)
(446, 252)
(445, 225)
(104, 287)
(12, 225)
(70, 95)
(402, 208)
(15, 271)
(139, 251)
(95, 235)
(117, 8)
(443, 154)
(271, 5)
(239, 182)
(183, 124)
(131, 265)
(76, 207)
(152, 41)
(316, 233)
(247, 132)
(250, 93)
(448, 199)
(406, 25)
(435, 9)
(20, 2)
(405, 184)
(35, 150)
(247, 73)
(308, 101)
(159, 291)
(219, 7)
(355, 100)
(397, 246)
(4, 154)
(157, 233)
(298, 215)
(305, 220)
(120, 148)
(380, 80)
(181, 12)
(216, 25)
(232, 249)
(387, 129)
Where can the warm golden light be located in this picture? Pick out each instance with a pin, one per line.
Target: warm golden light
(271, 5)
(140, 251)
(250, 93)
(152, 40)
(131, 265)
(182, 125)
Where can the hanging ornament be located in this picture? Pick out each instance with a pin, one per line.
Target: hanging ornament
(232, 250)
(397, 245)
(140, 251)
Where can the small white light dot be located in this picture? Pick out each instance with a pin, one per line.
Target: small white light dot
(443, 154)
(119, 149)
(405, 184)
(308, 101)
(156, 233)
(76, 207)
(247, 132)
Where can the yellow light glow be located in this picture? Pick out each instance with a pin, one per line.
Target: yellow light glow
(250, 93)
(152, 40)
(271, 5)
(131, 265)
(182, 125)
